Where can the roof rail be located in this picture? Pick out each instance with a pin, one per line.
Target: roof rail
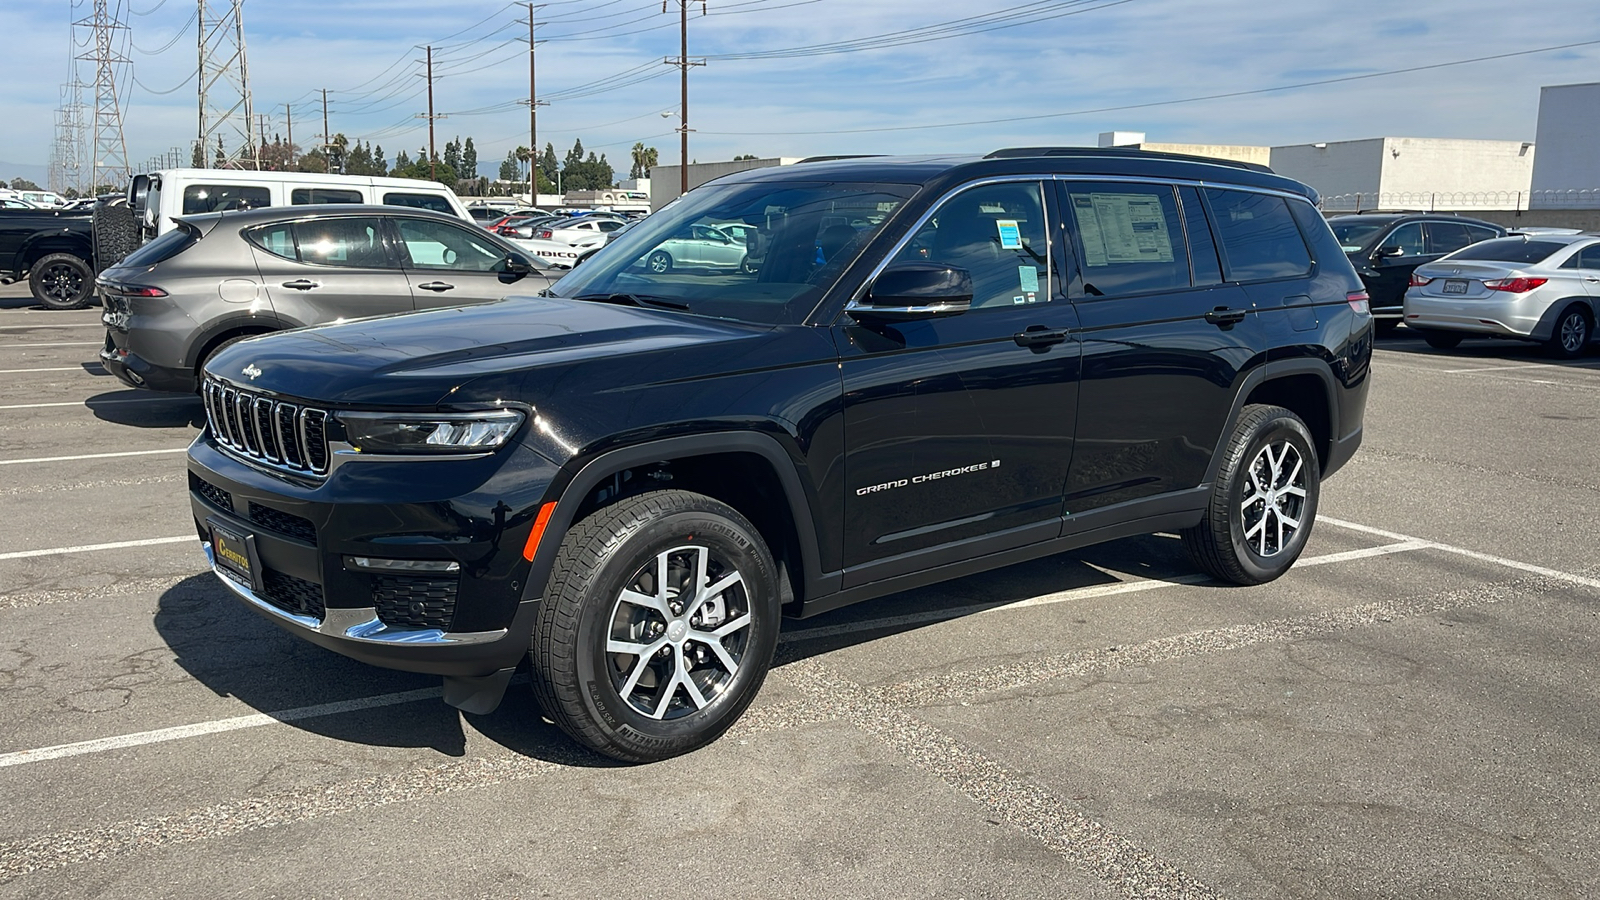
(811, 159)
(1127, 152)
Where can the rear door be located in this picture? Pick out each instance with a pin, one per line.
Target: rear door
(1165, 339)
(451, 265)
(329, 268)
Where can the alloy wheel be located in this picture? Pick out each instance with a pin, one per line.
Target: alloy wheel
(1574, 333)
(62, 282)
(678, 632)
(1273, 509)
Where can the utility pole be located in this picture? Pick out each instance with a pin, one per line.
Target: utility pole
(262, 118)
(327, 138)
(684, 63)
(288, 118)
(533, 103)
(108, 150)
(432, 175)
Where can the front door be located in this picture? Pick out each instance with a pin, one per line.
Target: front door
(449, 265)
(959, 433)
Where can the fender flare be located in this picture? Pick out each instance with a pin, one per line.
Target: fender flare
(610, 462)
(233, 322)
(75, 244)
(1272, 371)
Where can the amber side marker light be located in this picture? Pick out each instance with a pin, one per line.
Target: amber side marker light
(539, 524)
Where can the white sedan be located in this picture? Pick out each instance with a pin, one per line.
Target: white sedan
(707, 247)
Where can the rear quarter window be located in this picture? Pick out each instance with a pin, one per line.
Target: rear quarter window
(1260, 241)
(204, 198)
(420, 201)
(275, 239)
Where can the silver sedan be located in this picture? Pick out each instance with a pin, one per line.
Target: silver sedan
(1543, 288)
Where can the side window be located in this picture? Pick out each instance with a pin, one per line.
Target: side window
(303, 196)
(996, 232)
(1407, 237)
(1589, 257)
(609, 225)
(356, 242)
(1130, 238)
(1479, 233)
(275, 239)
(1202, 245)
(1259, 239)
(204, 198)
(420, 201)
(1446, 237)
(436, 245)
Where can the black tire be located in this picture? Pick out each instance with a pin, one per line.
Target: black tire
(116, 234)
(1442, 340)
(602, 696)
(1572, 334)
(659, 262)
(1385, 327)
(200, 364)
(747, 266)
(61, 281)
(1232, 543)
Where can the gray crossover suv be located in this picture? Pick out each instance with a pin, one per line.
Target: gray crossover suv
(222, 277)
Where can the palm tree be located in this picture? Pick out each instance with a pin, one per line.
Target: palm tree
(524, 155)
(644, 159)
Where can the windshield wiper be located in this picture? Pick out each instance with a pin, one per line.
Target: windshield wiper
(643, 300)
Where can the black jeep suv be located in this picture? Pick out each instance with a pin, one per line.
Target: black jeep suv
(939, 365)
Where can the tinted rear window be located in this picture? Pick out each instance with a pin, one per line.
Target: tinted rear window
(162, 248)
(303, 196)
(1260, 240)
(204, 198)
(1512, 250)
(420, 201)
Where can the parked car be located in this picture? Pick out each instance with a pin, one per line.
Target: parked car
(523, 227)
(53, 249)
(708, 246)
(44, 199)
(1386, 248)
(626, 481)
(580, 231)
(222, 277)
(16, 203)
(1544, 288)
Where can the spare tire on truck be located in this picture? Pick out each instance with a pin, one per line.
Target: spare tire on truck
(116, 234)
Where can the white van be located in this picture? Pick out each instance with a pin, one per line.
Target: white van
(45, 199)
(158, 197)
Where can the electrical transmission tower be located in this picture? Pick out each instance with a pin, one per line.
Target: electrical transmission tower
(227, 117)
(67, 154)
(108, 150)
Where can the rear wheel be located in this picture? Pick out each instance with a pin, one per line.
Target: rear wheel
(1570, 339)
(61, 281)
(1264, 500)
(1442, 340)
(657, 627)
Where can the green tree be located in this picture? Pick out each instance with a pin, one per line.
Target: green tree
(452, 154)
(315, 161)
(745, 156)
(377, 161)
(508, 167)
(469, 159)
(548, 163)
(402, 162)
(23, 184)
(644, 159)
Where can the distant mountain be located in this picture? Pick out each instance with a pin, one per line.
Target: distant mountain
(36, 174)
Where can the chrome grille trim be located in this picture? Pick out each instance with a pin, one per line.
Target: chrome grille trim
(268, 431)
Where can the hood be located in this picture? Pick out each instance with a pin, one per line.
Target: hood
(420, 359)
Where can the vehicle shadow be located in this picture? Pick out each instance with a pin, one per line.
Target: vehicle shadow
(1487, 349)
(147, 409)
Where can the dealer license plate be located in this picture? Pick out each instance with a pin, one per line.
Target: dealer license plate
(1455, 286)
(232, 552)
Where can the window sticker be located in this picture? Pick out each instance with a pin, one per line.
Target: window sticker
(1010, 234)
(1019, 300)
(1122, 228)
(1029, 277)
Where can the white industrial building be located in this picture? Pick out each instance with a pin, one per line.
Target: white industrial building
(1568, 172)
(1412, 173)
(666, 182)
(1135, 140)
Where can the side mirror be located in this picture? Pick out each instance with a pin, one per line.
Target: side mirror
(915, 290)
(516, 266)
(1389, 252)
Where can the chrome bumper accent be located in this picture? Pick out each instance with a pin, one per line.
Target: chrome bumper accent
(360, 624)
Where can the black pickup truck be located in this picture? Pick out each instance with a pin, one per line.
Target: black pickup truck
(54, 250)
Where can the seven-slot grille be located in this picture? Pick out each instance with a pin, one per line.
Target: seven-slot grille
(285, 435)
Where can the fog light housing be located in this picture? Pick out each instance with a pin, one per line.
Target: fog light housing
(403, 566)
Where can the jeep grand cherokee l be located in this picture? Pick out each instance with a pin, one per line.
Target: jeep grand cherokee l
(942, 365)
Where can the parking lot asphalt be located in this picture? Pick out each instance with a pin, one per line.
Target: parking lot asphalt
(1410, 712)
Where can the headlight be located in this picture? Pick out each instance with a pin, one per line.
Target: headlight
(430, 432)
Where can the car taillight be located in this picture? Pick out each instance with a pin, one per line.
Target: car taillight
(1515, 285)
(1418, 280)
(139, 290)
(1360, 302)
(545, 235)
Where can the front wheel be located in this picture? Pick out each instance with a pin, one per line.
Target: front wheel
(657, 627)
(1264, 500)
(1570, 339)
(61, 281)
(659, 262)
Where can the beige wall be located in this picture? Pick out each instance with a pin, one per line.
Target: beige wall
(1236, 152)
(665, 182)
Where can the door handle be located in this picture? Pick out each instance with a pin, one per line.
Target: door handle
(1038, 336)
(1223, 317)
(436, 286)
(301, 284)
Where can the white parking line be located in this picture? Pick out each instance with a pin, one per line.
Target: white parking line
(1522, 366)
(55, 325)
(49, 369)
(177, 398)
(31, 346)
(1471, 554)
(48, 459)
(180, 732)
(86, 548)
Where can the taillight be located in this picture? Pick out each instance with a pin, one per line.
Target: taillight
(1515, 285)
(139, 290)
(545, 235)
(1418, 280)
(1360, 302)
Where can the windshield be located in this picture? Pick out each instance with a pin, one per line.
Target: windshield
(1511, 250)
(1355, 236)
(760, 252)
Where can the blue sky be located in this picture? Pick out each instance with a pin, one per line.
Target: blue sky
(1080, 68)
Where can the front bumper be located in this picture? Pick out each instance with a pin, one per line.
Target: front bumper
(303, 533)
